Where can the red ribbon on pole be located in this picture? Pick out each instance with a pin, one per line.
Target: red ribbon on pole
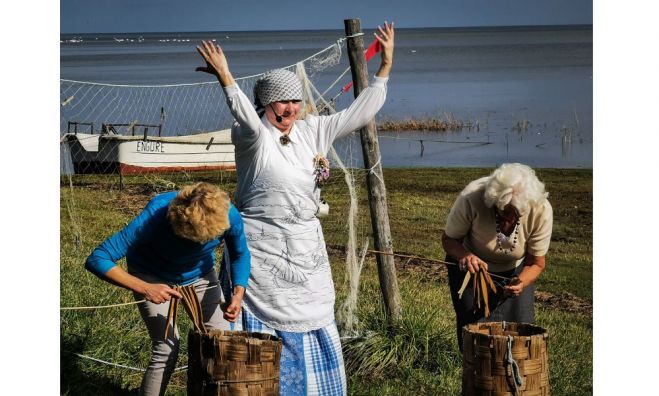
(372, 49)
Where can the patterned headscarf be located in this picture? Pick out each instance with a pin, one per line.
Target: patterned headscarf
(276, 85)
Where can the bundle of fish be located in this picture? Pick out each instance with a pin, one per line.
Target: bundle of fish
(481, 281)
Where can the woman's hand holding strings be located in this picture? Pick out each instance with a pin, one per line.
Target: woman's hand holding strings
(158, 293)
(515, 287)
(472, 263)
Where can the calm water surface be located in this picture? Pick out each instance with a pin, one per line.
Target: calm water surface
(529, 90)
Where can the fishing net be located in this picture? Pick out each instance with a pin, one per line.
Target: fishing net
(94, 116)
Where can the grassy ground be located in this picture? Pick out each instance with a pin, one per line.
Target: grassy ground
(421, 358)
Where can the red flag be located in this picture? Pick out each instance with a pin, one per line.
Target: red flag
(372, 49)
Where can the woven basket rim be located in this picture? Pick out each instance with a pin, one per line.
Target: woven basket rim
(541, 331)
(239, 335)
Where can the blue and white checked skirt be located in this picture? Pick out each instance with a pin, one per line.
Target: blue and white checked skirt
(311, 362)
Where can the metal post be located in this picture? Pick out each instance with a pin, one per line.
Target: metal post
(377, 196)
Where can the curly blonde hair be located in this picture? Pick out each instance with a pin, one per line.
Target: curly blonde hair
(514, 184)
(200, 212)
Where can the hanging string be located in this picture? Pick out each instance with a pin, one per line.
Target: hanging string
(431, 260)
(372, 170)
(336, 82)
(120, 304)
(514, 367)
(435, 141)
(210, 287)
(336, 44)
(182, 368)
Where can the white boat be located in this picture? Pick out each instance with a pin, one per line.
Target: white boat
(125, 154)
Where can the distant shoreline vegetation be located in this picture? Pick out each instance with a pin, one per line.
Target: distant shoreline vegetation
(446, 123)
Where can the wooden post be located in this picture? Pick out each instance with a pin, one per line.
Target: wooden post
(377, 196)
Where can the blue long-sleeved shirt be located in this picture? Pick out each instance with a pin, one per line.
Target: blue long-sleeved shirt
(150, 245)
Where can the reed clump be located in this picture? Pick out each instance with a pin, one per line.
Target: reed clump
(445, 123)
(419, 341)
(521, 126)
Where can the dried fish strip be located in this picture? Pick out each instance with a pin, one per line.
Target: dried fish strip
(484, 292)
(482, 283)
(465, 282)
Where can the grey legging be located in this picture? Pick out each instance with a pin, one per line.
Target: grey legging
(164, 352)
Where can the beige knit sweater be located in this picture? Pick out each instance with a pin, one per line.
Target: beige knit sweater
(472, 221)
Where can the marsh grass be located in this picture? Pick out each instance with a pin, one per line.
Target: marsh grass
(419, 357)
(446, 122)
(521, 126)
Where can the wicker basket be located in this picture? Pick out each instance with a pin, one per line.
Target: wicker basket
(493, 353)
(233, 363)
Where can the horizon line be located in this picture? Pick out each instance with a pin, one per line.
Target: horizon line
(583, 25)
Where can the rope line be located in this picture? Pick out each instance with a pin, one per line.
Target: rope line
(120, 304)
(138, 86)
(337, 43)
(100, 306)
(431, 260)
(435, 141)
(210, 287)
(182, 368)
(514, 367)
(336, 81)
(372, 170)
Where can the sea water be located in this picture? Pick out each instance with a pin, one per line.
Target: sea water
(527, 92)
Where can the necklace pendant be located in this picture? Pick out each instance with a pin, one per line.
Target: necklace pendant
(502, 238)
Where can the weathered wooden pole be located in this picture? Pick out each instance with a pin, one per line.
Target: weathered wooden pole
(377, 195)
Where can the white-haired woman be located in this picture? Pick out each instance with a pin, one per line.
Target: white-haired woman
(501, 223)
(291, 289)
(172, 242)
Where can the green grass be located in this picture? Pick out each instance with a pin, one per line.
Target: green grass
(420, 358)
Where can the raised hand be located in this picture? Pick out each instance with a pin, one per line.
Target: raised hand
(386, 39)
(216, 62)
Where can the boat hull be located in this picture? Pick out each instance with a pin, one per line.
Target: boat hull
(134, 154)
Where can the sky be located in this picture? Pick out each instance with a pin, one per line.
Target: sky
(127, 16)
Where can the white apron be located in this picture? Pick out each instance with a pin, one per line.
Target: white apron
(290, 286)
